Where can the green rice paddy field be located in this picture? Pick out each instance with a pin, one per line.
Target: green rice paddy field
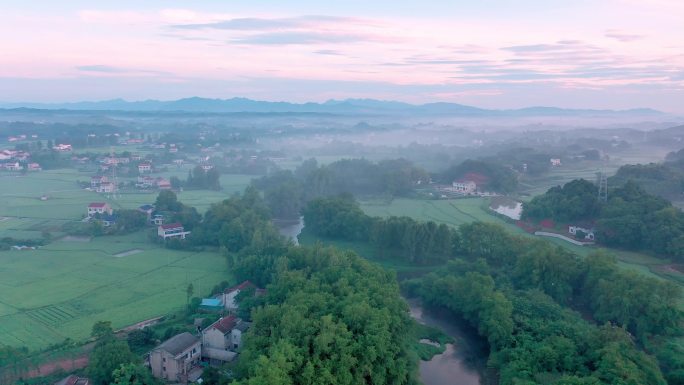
(453, 212)
(61, 289)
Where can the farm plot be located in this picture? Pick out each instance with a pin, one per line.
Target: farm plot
(60, 290)
(452, 212)
(200, 199)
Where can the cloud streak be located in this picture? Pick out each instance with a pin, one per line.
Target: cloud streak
(103, 69)
(261, 24)
(621, 36)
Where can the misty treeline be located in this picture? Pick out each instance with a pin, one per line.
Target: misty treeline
(394, 237)
(520, 292)
(328, 315)
(199, 178)
(664, 179)
(287, 192)
(492, 176)
(631, 218)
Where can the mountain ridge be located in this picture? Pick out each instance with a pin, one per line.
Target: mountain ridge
(344, 107)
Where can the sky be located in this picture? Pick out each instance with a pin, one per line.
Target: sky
(607, 54)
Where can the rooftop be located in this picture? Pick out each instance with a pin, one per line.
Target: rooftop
(178, 343)
(172, 226)
(242, 286)
(243, 326)
(97, 204)
(225, 324)
(211, 302)
(73, 380)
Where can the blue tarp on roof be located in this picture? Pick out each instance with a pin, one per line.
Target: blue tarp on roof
(211, 302)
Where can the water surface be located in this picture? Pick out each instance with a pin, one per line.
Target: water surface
(460, 364)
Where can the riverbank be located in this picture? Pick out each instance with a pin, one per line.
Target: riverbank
(462, 363)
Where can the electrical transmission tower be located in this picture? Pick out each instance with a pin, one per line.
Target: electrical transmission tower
(115, 165)
(602, 186)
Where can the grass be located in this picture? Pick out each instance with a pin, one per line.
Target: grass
(61, 289)
(426, 351)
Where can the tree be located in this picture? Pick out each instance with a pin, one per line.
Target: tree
(175, 182)
(188, 293)
(109, 354)
(133, 374)
(167, 201)
(102, 329)
(140, 338)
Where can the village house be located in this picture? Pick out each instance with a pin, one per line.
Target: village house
(158, 220)
(222, 339)
(145, 182)
(147, 210)
(99, 208)
(588, 233)
(73, 379)
(163, 184)
(106, 187)
(231, 293)
(144, 167)
(108, 220)
(172, 230)
(80, 159)
(207, 167)
(96, 181)
(34, 167)
(177, 359)
(13, 166)
(465, 187)
(62, 147)
(555, 162)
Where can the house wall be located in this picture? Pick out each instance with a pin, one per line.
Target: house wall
(229, 300)
(236, 339)
(214, 338)
(163, 365)
(166, 366)
(99, 210)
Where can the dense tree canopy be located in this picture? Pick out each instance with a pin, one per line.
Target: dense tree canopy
(576, 200)
(495, 176)
(631, 218)
(286, 192)
(395, 237)
(329, 318)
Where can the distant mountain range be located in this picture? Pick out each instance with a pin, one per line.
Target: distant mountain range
(341, 107)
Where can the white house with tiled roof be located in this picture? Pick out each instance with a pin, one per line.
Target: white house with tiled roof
(99, 208)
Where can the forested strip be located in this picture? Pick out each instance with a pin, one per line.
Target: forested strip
(631, 218)
(519, 293)
(396, 237)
